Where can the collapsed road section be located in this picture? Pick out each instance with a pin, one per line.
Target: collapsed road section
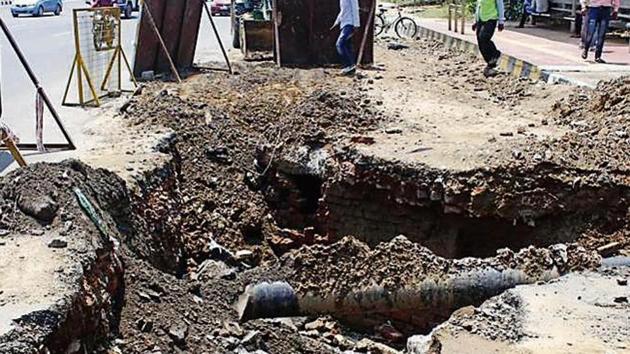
(295, 211)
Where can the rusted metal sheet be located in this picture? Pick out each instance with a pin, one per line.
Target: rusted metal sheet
(190, 30)
(148, 44)
(257, 37)
(305, 36)
(178, 22)
(172, 25)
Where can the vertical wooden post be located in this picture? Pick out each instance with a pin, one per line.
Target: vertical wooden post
(450, 15)
(463, 17)
(368, 25)
(455, 20)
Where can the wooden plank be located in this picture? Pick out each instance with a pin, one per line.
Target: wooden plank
(170, 29)
(190, 33)
(148, 46)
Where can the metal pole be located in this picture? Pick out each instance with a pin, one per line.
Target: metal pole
(216, 33)
(159, 36)
(276, 32)
(33, 78)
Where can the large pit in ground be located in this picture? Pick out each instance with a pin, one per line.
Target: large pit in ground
(455, 214)
(265, 175)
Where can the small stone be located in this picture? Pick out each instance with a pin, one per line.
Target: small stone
(153, 295)
(419, 344)
(178, 333)
(621, 300)
(396, 46)
(517, 154)
(231, 342)
(36, 232)
(622, 282)
(144, 296)
(394, 130)
(233, 329)
(244, 255)
(41, 207)
(252, 340)
(318, 325)
(520, 130)
(342, 342)
(4, 232)
(311, 334)
(58, 242)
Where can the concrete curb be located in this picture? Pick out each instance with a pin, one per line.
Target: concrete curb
(514, 66)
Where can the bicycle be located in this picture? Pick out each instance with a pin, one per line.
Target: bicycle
(403, 26)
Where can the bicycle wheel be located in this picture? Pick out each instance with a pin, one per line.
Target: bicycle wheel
(379, 25)
(406, 28)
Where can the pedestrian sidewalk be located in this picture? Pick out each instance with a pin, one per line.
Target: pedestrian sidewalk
(540, 53)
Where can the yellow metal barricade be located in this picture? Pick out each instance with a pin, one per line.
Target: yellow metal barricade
(99, 56)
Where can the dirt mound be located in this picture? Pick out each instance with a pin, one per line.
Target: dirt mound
(223, 121)
(350, 265)
(42, 196)
(599, 121)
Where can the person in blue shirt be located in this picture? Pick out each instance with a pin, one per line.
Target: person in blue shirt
(348, 21)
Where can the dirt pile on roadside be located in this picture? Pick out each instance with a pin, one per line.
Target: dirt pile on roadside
(599, 121)
(41, 196)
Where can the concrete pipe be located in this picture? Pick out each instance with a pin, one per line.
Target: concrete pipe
(279, 299)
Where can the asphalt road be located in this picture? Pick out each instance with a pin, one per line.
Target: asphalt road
(48, 44)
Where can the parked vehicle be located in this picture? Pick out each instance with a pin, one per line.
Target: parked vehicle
(127, 7)
(36, 7)
(221, 7)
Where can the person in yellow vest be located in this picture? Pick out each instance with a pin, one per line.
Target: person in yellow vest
(489, 15)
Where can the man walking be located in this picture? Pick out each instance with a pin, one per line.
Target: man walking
(348, 20)
(488, 14)
(599, 13)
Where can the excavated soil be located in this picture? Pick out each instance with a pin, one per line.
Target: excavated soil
(256, 156)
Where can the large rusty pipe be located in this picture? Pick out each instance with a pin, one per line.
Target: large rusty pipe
(279, 299)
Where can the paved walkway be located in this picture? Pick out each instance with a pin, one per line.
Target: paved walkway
(551, 51)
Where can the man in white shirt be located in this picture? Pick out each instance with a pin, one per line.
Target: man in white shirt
(348, 21)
